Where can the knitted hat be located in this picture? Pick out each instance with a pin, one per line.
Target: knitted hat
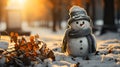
(77, 13)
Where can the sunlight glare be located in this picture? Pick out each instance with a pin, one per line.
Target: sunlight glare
(16, 2)
(21, 2)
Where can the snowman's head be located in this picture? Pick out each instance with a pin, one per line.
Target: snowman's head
(80, 24)
(79, 18)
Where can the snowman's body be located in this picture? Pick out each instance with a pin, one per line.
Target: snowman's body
(78, 39)
(78, 46)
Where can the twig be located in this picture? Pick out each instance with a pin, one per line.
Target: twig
(0, 35)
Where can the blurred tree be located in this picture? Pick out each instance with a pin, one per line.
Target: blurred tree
(77, 2)
(118, 12)
(1, 9)
(56, 14)
(90, 8)
(66, 5)
(93, 10)
(37, 10)
(108, 16)
(3, 4)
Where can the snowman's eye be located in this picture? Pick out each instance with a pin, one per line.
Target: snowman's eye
(76, 22)
(83, 22)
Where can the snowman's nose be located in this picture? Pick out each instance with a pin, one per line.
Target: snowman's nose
(81, 24)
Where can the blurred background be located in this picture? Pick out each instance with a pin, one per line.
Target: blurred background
(34, 16)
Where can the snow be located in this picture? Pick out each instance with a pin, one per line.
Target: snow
(2, 26)
(3, 44)
(108, 46)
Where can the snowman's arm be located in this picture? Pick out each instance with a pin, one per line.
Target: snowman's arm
(64, 42)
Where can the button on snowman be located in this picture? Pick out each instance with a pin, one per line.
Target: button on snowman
(79, 40)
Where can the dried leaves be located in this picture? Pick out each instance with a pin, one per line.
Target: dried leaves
(27, 51)
(14, 37)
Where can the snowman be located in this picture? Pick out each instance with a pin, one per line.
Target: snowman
(79, 40)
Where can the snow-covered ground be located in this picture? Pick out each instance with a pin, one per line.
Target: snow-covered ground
(108, 47)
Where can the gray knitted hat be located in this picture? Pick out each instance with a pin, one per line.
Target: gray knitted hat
(78, 13)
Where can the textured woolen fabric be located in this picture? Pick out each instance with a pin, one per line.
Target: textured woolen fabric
(79, 33)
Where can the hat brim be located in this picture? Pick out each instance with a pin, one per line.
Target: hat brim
(79, 18)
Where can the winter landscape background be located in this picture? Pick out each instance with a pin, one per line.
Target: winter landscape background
(108, 46)
(48, 19)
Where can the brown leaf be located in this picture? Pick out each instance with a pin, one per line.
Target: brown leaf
(27, 54)
(51, 55)
(37, 36)
(12, 34)
(16, 34)
(29, 46)
(31, 38)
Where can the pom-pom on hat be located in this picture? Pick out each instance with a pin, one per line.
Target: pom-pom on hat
(77, 13)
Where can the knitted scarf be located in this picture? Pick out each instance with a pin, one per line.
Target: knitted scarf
(79, 33)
